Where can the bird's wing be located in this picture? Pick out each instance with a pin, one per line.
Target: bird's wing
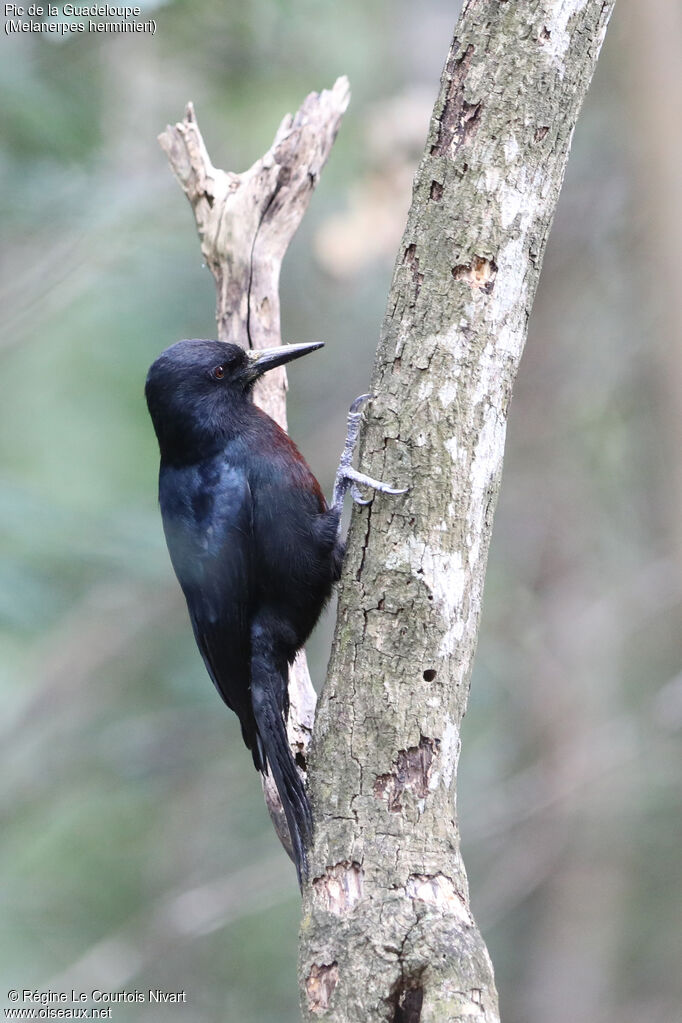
(210, 543)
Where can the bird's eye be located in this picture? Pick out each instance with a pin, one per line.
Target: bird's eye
(219, 373)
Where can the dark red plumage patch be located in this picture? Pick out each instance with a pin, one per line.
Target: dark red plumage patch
(282, 441)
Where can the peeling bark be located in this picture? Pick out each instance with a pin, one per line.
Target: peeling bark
(340, 887)
(320, 985)
(409, 777)
(404, 946)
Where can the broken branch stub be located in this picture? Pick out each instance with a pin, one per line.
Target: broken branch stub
(245, 223)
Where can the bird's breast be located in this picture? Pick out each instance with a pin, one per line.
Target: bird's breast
(201, 505)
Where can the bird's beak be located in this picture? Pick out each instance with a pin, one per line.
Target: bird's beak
(260, 361)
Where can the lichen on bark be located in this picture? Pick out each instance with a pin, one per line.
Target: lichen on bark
(387, 733)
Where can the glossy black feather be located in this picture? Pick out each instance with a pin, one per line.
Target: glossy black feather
(252, 542)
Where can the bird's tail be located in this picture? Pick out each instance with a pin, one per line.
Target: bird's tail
(275, 745)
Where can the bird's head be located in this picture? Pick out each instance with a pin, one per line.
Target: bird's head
(196, 390)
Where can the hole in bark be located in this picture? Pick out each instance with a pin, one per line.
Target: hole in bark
(436, 191)
(544, 35)
(301, 761)
(541, 132)
(430, 674)
(407, 1000)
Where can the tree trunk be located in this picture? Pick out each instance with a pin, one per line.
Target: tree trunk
(387, 932)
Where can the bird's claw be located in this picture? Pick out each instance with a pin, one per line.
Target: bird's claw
(359, 402)
(348, 477)
(355, 477)
(358, 498)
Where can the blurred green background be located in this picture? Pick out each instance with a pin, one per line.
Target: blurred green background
(136, 851)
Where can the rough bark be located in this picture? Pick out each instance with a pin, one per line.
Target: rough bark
(245, 223)
(387, 932)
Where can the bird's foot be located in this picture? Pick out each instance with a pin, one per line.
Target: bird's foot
(349, 478)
